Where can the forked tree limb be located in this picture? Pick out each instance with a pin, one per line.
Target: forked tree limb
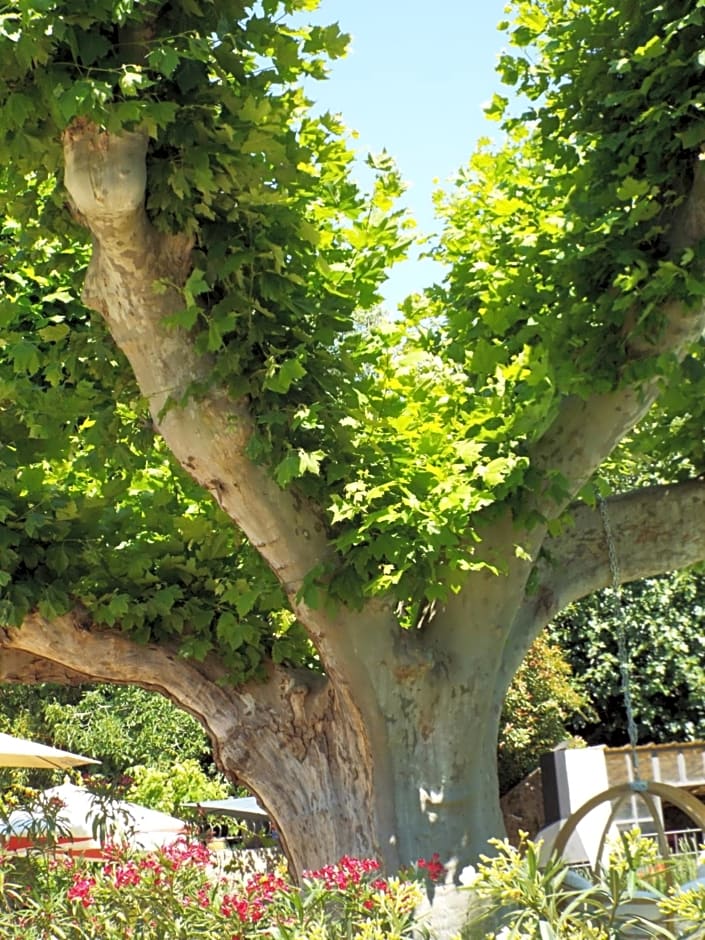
(585, 432)
(654, 530)
(208, 434)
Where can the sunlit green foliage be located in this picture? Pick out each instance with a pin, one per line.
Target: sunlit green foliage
(152, 751)
(557, 244)
(168, 788)
(524, 898)
(93, 507)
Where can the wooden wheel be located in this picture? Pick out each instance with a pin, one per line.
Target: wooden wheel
(647, 790)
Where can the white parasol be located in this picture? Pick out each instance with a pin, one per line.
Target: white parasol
(83, 822)
(19, 752)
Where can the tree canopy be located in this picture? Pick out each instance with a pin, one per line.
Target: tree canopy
(402, 433)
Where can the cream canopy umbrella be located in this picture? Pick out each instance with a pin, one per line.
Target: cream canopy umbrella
(19, 752)
(83, 822)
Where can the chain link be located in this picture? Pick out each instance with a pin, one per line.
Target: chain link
(622, 646)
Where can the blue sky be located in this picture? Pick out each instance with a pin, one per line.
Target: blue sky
(414, 81)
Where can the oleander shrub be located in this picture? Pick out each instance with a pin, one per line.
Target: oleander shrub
(178, 893)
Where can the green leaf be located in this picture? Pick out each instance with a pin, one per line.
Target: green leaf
(196, 284)
(115, 609)
(692, 137)
(295, 464)
(91, 45)
(53, 602)
(164, 59)
(215, 337)
(246, 598)
(131, 82)
(25, 356)
(651, 49)
(631, 188)
(196, 648)
(281, 377)
(231, 632)
(186, 317)
(54, 333)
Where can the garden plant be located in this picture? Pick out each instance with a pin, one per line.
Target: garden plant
(181, 893)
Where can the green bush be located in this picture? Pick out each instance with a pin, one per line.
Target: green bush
(526, 900)
(543, 700)
(167, 789)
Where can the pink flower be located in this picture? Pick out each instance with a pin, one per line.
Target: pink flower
(348, 871)
(182, 853)
(127, 874)
(246, 911)
(264, 886)
(81, 889)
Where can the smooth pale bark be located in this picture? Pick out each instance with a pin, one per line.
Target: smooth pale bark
(291, 741)
(654, 530)
(430, 783)
(393, 753)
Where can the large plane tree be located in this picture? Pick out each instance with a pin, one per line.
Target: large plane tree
(330, 534)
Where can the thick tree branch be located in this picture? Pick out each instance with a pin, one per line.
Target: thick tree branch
(655, 530)
(586, 431)
(209, 433)
(583, 434)
(19, 667)
(294, 725)
(106, 179)
(68, 645)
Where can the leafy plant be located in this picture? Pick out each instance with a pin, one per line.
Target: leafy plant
(663, 623)
(544, 701)
(534, 900)
(176, 894)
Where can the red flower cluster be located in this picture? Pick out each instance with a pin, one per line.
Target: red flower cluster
(81, 889)
(348, 871)
(125, 875)
(247, 911)
(182, 853)
(260, 891)
(434, 867)
(265, 885)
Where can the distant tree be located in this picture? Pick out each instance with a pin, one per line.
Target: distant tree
(544, 702)
(124, 727)
(664, 624)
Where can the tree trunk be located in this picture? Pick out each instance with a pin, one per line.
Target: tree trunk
(332, 781)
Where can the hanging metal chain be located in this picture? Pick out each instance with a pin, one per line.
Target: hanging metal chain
(622, 648)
